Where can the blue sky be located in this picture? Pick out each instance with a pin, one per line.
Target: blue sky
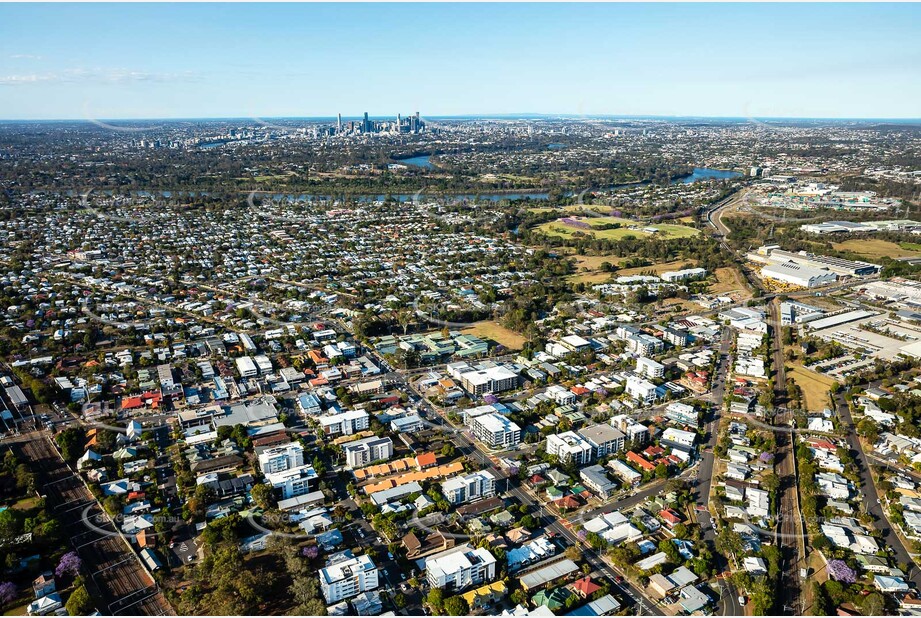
(271, 60)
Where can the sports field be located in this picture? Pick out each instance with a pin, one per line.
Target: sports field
(567, 227)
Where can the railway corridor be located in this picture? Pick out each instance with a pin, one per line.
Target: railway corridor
(115, 577)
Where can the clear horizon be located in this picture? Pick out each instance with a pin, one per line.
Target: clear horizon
(77, 62)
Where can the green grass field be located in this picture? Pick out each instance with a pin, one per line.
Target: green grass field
(665, 230)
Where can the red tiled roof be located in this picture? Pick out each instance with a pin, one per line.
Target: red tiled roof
(670, 516)
(585, 586)
(130, 403)
(426, 459)
(641, 462)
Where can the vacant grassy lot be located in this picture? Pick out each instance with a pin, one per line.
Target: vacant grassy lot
(815, 387)
(488, 329)
(729, 279)
(875, 248)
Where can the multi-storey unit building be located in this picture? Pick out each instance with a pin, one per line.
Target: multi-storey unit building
(640, 389)
(604, 439)
(570, 446)
(294, 482)
(460, 567)
(649, 368)
(345, 423)
(495, 430)
(635, 432)
(468, 487)
(363, 452)
(491, 380)
(596, 479)
(561, 395)
(281, 458)
(348, 578)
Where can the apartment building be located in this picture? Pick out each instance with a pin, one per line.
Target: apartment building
(468, 487)
(363, 452)
(649, 368)
(635, 432)
(640, 389)
(570, 446)
(246, 367)
(345, 423)
(495, 430)
(281, 458)
(561, 395)
(604, 439)
(294, 482)
(681, 413)
(348, 578)
(490, 380)
(460, 567)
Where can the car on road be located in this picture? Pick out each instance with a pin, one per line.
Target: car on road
(742, 600)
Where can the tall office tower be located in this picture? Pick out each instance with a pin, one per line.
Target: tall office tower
(418, 124)
(339, 124)
(367, 125)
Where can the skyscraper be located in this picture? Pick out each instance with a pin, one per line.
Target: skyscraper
(366, 126)
(339, 123)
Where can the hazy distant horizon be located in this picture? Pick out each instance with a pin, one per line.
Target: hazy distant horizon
(456, 117)
(74, 61)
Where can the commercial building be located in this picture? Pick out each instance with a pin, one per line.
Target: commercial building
(466, 488)
(798, 275)
(773, 254)
(460, 567)
(363, 452)
(348, 578)
(792, 312)
(673, 276)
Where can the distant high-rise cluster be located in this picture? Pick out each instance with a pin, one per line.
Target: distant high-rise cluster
(410, 124)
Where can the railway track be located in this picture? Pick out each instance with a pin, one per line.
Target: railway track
(116, 579)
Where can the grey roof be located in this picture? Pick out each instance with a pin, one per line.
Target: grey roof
(549, 573)
(601, 433)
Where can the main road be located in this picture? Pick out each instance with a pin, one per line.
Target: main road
(549, 521)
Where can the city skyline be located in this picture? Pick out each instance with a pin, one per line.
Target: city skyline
(303, 61)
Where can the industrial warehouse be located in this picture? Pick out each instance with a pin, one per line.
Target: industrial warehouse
(807, 270)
